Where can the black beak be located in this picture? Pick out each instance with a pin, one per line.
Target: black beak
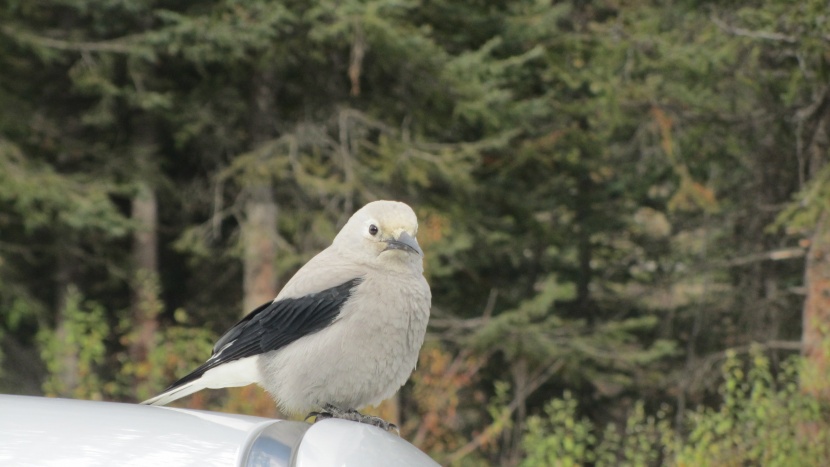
(404, 242)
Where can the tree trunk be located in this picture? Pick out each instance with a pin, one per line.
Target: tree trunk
(816, 318)
(259, 245)
(68, 374)
(145, 304)
(816, 314)
(259, 230)
(259, 237)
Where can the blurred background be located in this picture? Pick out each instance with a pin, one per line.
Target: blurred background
(623, 204)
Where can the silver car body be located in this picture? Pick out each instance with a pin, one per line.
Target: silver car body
(37, 431)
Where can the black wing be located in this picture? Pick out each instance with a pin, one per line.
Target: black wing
(274, 325)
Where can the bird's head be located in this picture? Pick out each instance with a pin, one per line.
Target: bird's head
(382, 231)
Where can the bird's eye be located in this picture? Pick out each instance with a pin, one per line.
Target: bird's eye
(373, 230)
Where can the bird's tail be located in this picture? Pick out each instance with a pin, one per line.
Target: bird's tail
(175, 392)
(237, 373)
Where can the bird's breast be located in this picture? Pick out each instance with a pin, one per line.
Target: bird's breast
(388, 317)
(364, 356)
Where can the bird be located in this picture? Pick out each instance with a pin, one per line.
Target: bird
(343, 333)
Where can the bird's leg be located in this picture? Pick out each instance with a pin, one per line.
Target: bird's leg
(330, 411)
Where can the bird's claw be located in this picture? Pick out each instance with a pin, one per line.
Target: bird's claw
(379, 422)
(330, 411)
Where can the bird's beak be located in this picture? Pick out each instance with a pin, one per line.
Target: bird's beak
(404, 242)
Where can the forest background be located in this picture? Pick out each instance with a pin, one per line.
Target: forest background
(623, 204)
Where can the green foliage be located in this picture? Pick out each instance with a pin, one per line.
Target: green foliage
(564, 438)
(763, 419)
(75, 353)
(645, 440)
(809, 204)
(608, 354)
(45, 198)
(531, 328)
(179, 349)
(561, 438)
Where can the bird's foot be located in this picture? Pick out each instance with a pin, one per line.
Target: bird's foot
(330, 411)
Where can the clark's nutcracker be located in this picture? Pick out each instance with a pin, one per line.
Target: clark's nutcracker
(342, 334)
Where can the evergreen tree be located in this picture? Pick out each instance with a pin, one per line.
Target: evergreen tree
(611, 196)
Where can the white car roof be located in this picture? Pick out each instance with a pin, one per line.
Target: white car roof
(63, 432)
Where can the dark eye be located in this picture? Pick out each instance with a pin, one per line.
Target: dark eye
(373, 230)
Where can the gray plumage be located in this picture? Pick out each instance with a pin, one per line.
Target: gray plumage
(345, 331)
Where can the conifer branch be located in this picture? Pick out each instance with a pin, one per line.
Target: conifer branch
(122, 45)
(764, 35)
